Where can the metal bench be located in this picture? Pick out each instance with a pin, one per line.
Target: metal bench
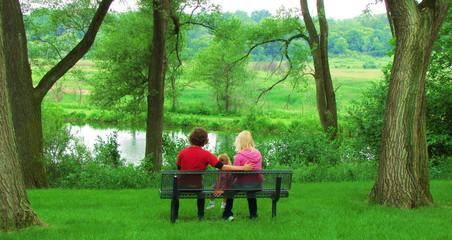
(198, 184)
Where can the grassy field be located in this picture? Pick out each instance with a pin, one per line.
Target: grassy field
(349, 79)
(313, 211)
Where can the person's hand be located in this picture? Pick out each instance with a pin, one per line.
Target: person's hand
(218, 193)
(248, 166)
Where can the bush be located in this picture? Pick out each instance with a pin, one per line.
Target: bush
(441, 168)
(370, 65)
(300, 146)
(171, 151)
(99, 177)
(107, 153)
(69, 164)
(338, 173)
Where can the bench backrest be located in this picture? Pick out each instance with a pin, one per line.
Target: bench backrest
(238, 180)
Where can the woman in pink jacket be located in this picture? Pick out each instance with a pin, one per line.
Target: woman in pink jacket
(246, 152)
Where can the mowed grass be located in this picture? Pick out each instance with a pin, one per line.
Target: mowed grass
(312, 211)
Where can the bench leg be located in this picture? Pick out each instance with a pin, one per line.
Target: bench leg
(174, 210)
(274, 201)
(277, 194)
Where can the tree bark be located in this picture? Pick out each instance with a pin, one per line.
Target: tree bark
(403, 176)
(15, 211)
(26, 100)
(326, 99)
(157, 72)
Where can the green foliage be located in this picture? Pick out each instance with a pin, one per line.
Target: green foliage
(439, 93)
(441, 167)
(171, 151)
(369, 65)
(344, 171)
(55, 28)
(107, 153)
(96, 176)
(302, 145)
(362, 34)
(217, 66)
(64, 156)
(256, 120)
(366, 116)
(124, 61)
(69, 164)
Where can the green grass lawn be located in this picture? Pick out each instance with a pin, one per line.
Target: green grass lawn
(313, 211)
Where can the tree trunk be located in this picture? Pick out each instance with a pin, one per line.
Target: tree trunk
(173, 90)
(157, 72)
(26, 100)
(403, 176)
(15, 208)
(26, 113)
(326, 100)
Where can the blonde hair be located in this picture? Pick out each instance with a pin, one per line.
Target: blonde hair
(244, 141)
(224, 158)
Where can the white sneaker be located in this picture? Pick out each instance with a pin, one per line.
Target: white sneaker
(210, 206)
(223, 205)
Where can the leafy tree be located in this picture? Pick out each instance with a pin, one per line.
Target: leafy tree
(26, 99)
(438, 92)
(124, 63)
(403, 175)
(340, 46)
(367, 114)
(257, 16)
(217, 67)
(364, 34)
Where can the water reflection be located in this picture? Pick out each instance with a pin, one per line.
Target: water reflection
(132, 142)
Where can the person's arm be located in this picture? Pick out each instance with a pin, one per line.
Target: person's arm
(246, 167)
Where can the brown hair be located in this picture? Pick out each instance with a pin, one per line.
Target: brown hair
(224, 158)
(198, 137)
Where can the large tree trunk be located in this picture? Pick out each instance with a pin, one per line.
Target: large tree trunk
(403, 176)
(25, 109)
(157, 72)
(26, 100)
(15, 209)
(326, 100)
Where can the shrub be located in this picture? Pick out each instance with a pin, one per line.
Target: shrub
(107, 153)
(370, 65)
(69, 164)
(338, 173)
(171, 151)
(300, 146)
(441, 168)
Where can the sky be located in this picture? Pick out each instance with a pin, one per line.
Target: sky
(337, 9)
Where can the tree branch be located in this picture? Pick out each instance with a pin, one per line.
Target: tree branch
(75, 54)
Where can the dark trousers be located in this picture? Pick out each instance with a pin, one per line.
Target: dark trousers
(200, 203)
(252, 207)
